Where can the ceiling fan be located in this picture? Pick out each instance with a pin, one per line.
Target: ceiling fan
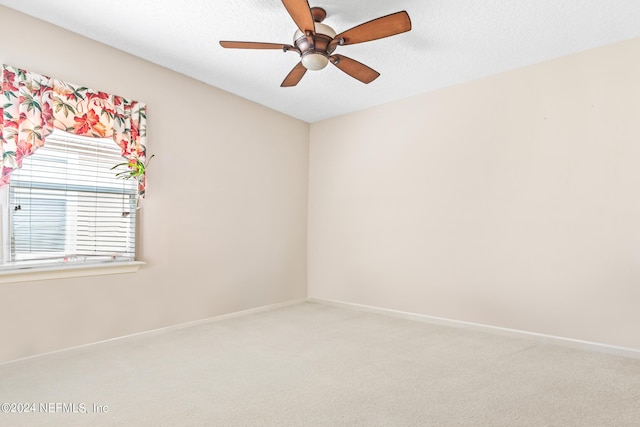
(315, 42)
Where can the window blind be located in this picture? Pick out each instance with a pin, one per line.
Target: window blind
(66, 205)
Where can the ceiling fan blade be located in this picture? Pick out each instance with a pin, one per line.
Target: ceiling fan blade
(301, 14)
(294, 76)
(255, 45)
(378, 28)
(354, 68)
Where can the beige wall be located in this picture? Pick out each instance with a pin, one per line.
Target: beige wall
(511, 201)
(224, 225)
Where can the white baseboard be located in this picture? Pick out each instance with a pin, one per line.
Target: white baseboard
(166, 329)
(542, 338)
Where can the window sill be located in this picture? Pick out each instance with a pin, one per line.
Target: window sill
(68, 271)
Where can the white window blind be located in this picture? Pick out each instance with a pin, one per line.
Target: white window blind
(66, 205)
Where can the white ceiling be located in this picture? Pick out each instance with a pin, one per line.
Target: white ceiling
(452, 41)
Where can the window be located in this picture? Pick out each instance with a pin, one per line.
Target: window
(64, 213)
(66, 206)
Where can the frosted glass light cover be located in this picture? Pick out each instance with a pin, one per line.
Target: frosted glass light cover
(314, 61)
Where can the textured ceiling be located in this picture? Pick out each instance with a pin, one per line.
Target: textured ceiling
(452, 41)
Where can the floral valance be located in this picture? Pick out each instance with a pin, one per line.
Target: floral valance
(33, 105)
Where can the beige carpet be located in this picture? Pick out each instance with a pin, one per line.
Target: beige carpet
(318, 365)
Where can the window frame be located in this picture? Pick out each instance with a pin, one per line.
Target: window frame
(29, 271)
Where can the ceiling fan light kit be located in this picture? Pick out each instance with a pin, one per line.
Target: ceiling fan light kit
(314, 47)
(315, 42)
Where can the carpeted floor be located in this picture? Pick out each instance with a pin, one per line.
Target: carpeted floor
(319, 365)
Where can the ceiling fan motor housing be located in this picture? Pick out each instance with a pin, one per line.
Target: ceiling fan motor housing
(315, 48)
